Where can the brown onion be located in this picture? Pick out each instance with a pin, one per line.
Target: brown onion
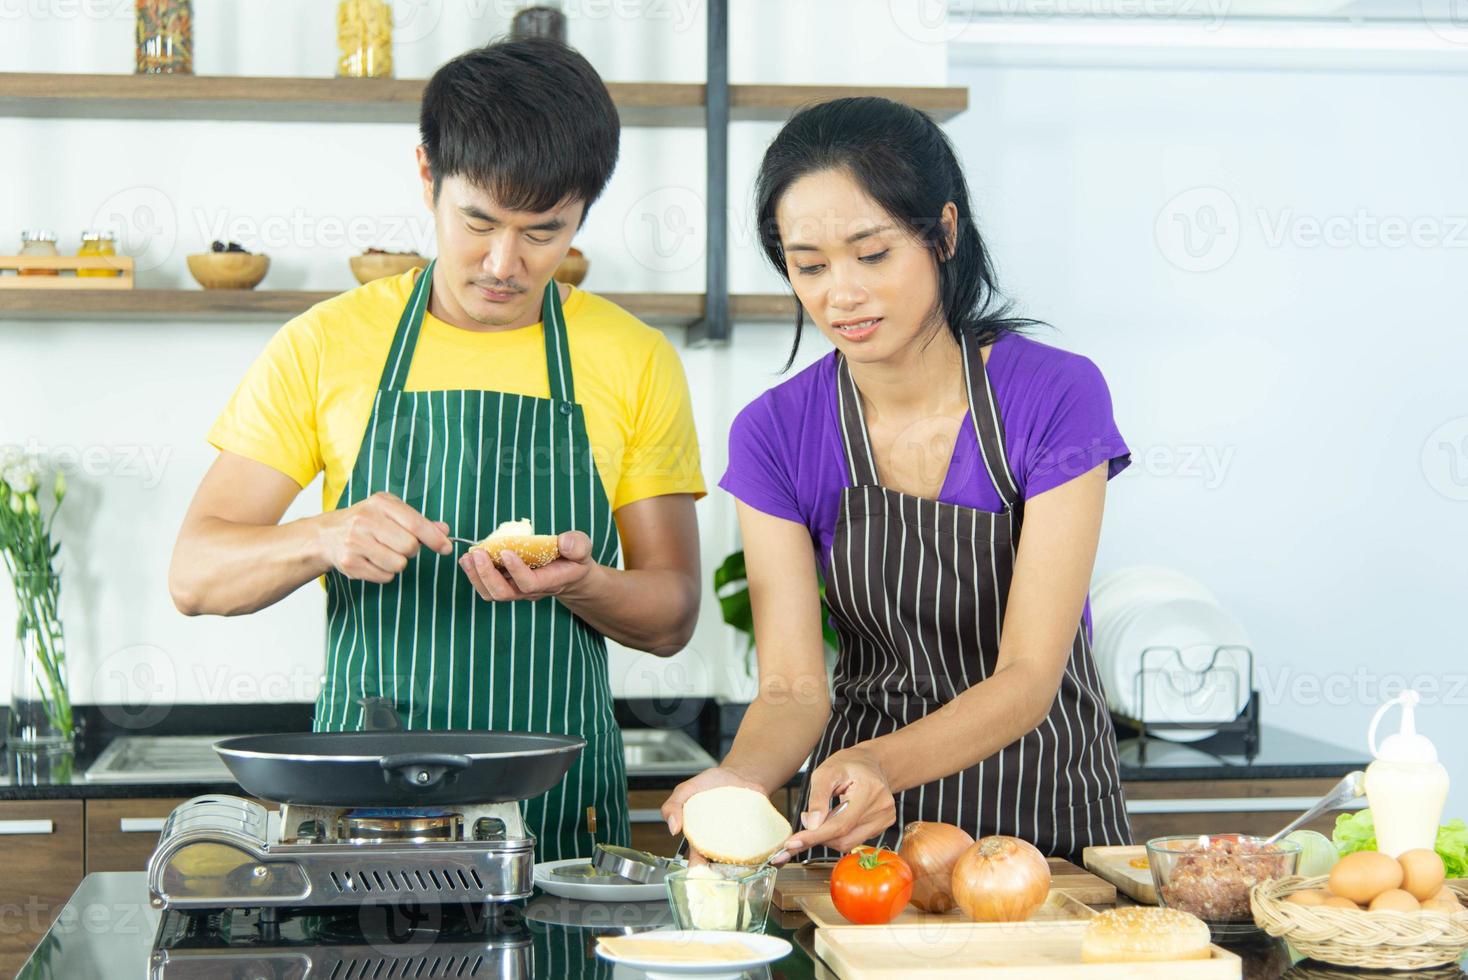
(1001, 879)
(932, 849)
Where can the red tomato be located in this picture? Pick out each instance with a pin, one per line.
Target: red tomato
(871, 886)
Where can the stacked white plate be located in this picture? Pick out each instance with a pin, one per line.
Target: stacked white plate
(1196, 664)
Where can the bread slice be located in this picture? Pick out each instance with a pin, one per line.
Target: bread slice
(734, 825)
(534, 549)
(1142, 934)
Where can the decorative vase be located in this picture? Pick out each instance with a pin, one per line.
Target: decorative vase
(40, 705)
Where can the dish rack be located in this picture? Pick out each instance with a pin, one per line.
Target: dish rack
(1166, 663)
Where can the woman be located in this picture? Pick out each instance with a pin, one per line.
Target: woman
(900, 469)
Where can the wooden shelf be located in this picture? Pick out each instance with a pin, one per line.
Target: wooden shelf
(53, 95)
(661, 309)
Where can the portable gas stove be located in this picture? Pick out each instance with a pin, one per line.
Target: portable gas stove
(224, 852)
(486, 942)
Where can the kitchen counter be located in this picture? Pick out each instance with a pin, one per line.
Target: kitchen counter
(108, 930)
(29, 777)
(1280, 755)
(33, 777)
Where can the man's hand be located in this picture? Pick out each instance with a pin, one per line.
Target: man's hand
(373, 540)
(519, 581)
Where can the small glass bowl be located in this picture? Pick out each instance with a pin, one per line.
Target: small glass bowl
(703, 899)
(1210, 877)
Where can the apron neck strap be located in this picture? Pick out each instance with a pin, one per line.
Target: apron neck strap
(983, 408)
(410, 325)
(405, 338)
(861, 465)
(557, 346)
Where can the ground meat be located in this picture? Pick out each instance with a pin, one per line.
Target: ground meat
(1212, 881)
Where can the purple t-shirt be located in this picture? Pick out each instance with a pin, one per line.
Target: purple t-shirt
(786, 457)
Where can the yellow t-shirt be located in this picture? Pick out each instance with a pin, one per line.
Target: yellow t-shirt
(303, 405)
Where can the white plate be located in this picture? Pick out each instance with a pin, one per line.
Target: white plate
(763, 949)
(1119, 595)
(585, 891)
(1196, 628)
(1113, 593)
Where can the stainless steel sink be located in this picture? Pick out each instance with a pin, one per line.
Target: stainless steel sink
(662, 751)
(191, 758)
(160, 758)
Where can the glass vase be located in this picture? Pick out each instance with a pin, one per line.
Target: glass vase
(40, 704)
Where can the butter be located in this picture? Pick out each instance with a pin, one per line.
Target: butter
(513, 529)
(713, 900)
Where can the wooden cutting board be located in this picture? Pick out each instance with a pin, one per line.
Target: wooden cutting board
(995, 951)
(1058, 907)
(796, 881)
(1114, 864)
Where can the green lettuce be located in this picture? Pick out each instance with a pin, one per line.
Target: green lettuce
(1357, 832)
(1452, 847)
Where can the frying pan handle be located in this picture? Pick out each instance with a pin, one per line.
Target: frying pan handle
(422, 770)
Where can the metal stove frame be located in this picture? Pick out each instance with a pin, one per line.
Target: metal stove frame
(227, 852)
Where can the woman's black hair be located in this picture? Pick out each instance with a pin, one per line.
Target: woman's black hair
(528, 120)
(904, 162)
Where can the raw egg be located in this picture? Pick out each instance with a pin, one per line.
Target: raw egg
(1443, 901)
(1422, 873)
(1395, 900)
(1364, 875)
(1311, 896)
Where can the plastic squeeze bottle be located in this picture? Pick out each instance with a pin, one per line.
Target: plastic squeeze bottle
(1406, 786)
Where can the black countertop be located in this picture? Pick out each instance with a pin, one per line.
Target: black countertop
(1279, 754)
(108, 930)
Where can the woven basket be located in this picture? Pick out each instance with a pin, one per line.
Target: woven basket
(1380, 940)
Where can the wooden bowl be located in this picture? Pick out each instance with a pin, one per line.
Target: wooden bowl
(380, 265)
(572, 268)
(229, 270)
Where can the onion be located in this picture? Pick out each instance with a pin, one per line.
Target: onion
(932, 849)
(1001, 879)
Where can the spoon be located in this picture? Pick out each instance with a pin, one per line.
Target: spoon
(1352, 786)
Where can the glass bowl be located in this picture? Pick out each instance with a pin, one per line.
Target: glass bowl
(1210, 876)
(701, 898)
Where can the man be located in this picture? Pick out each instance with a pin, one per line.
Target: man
(447, 402)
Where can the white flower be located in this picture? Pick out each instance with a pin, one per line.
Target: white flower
(21, 472)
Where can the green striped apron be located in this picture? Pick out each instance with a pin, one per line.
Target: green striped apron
(426, 641)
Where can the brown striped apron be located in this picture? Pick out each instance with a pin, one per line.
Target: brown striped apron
(917, 590)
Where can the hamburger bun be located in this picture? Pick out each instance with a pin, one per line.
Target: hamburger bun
(734, 825)
(534, 549)
(1143, 934)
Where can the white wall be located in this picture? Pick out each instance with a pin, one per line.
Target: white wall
(1297, 408)
(138, 397)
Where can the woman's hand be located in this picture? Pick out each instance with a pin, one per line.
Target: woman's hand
(855, 775)
(708, 779)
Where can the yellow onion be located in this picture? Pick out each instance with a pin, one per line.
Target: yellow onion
(932, 849)
(1001, 879)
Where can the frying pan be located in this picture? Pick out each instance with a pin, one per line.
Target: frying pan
(395, 768)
